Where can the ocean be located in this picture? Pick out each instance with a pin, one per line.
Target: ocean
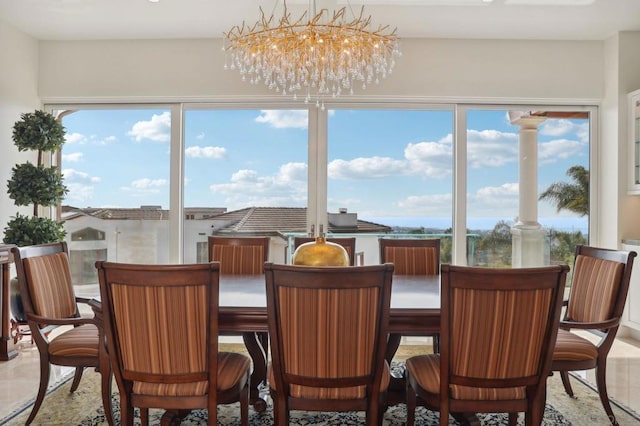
(565, 224)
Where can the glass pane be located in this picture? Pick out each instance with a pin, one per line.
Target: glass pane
(238, 160)
(493, 199)
(392, 168)
(115, 164)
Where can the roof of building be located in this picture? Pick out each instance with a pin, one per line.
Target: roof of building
(250, 220)
(275, 220)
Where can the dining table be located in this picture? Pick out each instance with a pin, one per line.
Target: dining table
(414, 311)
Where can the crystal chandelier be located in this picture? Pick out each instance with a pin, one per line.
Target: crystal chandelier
(318, 57)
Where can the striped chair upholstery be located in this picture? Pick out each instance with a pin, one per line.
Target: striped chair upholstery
(596, 301)
(328, 328)
(414, 256)
(49, 281)
(239, 255)
(497, 329)
(49, 301)
(411, 256)
(161, 328)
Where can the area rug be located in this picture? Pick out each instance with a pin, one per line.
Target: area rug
(84, 407)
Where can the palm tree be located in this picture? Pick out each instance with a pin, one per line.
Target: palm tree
(570, 196)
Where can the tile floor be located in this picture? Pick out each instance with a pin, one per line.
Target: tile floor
(19, 377)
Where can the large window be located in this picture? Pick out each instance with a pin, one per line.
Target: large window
(154, 182)
(116, 165)
(393, 167)
(238, 159)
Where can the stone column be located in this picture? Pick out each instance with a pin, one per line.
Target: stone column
(527, 234)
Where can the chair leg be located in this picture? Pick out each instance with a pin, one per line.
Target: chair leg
(144, 416)
(42, 389)
(601, 381)
(244, 406)
(280, 410)
(513, 419)
(411, 404)
(373, 411)
(77, 376)
(126, 410)
(565, 381)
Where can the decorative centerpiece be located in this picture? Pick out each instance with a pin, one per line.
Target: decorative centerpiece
(321, 253)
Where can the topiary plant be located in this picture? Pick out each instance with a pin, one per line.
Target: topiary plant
(36, 184)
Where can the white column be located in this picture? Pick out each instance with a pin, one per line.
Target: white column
(527, 233)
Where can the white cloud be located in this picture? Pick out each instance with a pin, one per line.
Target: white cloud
(556, 127)
(283, 119)
(365, 168)
(489, 200)
(73, 157)
(550, 152)
(79, 192)
(146, 183)
(491, 148)
(80, 139)
(200, 136)
(157, 129)
(287, 187)
(76, 175)
(425, 205)
(214, 152)
(431, 159)
(72, 138)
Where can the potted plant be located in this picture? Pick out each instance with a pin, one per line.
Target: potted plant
(34, 184)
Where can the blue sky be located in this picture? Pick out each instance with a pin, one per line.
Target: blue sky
(382, 163)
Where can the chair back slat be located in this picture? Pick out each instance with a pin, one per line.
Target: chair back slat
(498, 329)
(239, 255)
(594, 289)
(411, 256)
(158, 320)
(328, 328)
(50, 287)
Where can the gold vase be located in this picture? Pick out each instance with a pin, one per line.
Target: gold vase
(321, 253)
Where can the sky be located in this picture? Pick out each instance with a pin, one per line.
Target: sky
(384, 165)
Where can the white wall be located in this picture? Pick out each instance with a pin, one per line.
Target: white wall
(498, 71)
(629, 80)
(18, 94)
(463, 69)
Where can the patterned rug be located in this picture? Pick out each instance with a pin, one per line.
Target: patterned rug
(84, 407)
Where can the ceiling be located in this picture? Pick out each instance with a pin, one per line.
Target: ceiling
(482, 19)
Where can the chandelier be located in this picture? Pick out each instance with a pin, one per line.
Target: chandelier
(317, 56)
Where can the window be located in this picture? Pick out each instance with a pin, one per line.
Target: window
(116, 165)
(149, 184)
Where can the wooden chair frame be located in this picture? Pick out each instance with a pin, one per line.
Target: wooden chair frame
(606, 329)
(250, 268)
(414, 243)
(41, 327)
(151, 280)
(506, 283)
(281, 279)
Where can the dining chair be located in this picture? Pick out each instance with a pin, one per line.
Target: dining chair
(328, 328)
(498, 328)
(61, 335)
(349, 244)
(245, 256)
(596, 301)
(161, 325)
(239, 255)
(411, 256)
